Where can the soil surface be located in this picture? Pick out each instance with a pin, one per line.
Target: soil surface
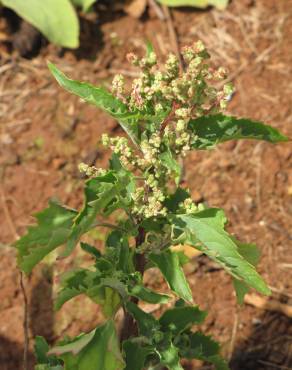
(45, 132)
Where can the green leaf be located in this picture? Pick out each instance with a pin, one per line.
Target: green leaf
(205, 231)
(169, 357)
(118, 251)
(179, 319)
(211, 130)
(168, 263)
(203, 348)
(173, 201)
(147, 324)
(148, 295)
(105, 289)
(53, 228)
(90, 250)
(135, 354)
(98, 350)
(74, 283)
(171, 164)
(56, 19)
(102, 99)
(220, 4)
(84, 4)
(251, 253)
(103, 195)
(45, 362)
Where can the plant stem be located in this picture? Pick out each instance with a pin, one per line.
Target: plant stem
(129, 326)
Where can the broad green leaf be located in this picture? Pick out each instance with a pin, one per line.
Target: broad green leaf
(135, 354)
(84, 4)
(102, 99)
(148, 295)
(147, 324)
(220, 4)
(98, 350)
(202, 347)
(211, 130)
(56, 19)
(169, 357)
(178, 319)
(53, 228)
(168, 263)
(205, 231)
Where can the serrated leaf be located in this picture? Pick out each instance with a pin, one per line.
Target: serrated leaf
(147, 324)
(102, 99)
(98, 350)
(203, 348)
(74, 283)
(220, 4)
(53, 228)
(169, 265)
(205, 231)
(103, 195)
(178, 319)
(135, 354)
(148, 295)
(105, 290)
(169, 357)
(211, 130)
(56, 19)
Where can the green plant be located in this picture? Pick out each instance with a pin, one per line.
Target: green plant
(56, 19)
(166, 114)
(220, 4)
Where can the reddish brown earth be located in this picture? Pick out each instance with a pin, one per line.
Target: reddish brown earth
(45, 133)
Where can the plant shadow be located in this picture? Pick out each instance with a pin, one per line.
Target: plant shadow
(268, 347)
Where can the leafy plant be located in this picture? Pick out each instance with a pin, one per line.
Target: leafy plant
(56, 19)
(220, 4)
(166, 114)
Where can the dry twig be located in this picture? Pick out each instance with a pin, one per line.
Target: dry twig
(265, 303)
(172, 35)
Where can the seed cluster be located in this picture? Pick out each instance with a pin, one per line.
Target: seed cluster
(168, 98)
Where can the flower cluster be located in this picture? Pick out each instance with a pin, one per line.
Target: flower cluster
(167, 99)
(91, 171)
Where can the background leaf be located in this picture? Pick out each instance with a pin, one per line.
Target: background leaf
(56, 19)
